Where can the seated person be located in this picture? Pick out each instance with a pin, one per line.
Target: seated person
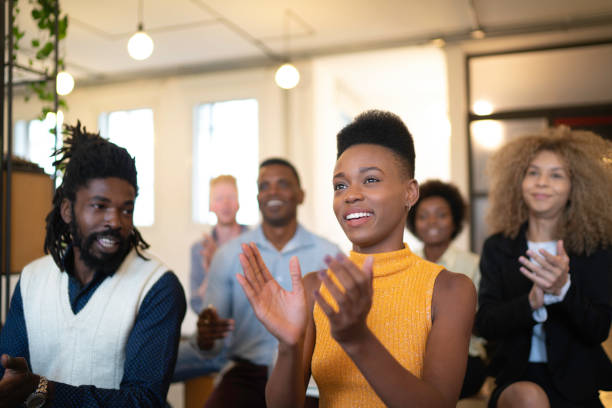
(374, 328)
(546, 284)
(97, 321)
(224, 203)
(436, 219)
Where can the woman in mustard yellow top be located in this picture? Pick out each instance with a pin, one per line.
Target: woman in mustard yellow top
(382, 327)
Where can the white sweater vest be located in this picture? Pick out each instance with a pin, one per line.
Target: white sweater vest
(87, 348)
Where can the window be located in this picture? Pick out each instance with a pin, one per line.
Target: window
(133, 130)
(34, 141)
(226, 141)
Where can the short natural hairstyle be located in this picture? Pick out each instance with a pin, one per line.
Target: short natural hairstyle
(223, 179)
(449, 193)
(380, 128)
(282, 162)
(85, 156)
(586, 223)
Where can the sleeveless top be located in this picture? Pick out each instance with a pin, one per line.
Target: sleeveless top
(87, 348)
(400, 317)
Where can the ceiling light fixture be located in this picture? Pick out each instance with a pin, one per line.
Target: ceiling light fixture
(482, 107)
(438, 42)
(478, 34)
(140, 46)
(287, 75)
(64, 83)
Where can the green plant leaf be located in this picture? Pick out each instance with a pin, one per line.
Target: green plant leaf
(35, 43)
(45, 51)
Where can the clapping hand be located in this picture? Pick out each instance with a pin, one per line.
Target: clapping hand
(17, 383)
(549, 272)
(209, 247)
(348, 320)
(282, 312)
(211, 327)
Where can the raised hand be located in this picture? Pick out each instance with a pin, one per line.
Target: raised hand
(348, 322)
(18, 381)
(209, 247)
(283, 313)
(211, 327)
(550, 272)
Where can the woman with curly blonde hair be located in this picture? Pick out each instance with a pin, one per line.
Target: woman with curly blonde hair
(546, 284)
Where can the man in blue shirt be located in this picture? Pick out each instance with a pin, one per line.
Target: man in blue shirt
(228, 325)
(98, 319)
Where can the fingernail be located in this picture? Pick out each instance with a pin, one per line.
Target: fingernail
(340, 256)
(322, 274)
(327, 259)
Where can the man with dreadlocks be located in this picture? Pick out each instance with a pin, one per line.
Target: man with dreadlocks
(98, 319)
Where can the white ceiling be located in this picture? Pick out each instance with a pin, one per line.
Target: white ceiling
(204, 35)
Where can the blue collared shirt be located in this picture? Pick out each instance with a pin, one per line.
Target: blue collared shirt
(150, 352)
(250, 340)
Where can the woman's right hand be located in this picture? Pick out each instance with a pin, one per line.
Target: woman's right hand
(283, 313)
(536, 297)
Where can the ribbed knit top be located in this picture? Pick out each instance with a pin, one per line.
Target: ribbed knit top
(400, 318)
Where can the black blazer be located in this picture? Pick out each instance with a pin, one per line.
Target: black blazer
(575, 327)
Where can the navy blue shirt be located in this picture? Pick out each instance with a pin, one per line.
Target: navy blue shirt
(150, 353)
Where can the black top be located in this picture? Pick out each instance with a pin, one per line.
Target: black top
(575, 327)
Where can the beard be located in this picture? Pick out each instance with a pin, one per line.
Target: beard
(104, 263)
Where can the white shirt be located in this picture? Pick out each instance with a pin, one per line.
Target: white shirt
(537, 354)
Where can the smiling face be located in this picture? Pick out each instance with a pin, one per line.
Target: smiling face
(372, 197)
(101, 221)
(224, 203)
(546, 186)
(278, 195)
(433, 221)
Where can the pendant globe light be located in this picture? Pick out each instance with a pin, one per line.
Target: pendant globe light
(287, 75)
(140, 46)
(64, 83)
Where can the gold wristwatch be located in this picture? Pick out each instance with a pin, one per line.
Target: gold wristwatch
(39, 397)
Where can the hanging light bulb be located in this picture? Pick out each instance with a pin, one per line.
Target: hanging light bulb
(140, 46)
(64, 83)
(50, 119)
(287, 76)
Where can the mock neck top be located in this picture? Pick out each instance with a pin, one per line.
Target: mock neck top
(400, 317)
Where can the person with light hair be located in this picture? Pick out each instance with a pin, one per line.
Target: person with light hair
(546, 272)
(224, 204)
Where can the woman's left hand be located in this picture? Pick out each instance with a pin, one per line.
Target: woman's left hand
(348, 322)
(550, 272)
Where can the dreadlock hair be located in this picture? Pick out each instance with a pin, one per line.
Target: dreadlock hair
(384, 129)
(85, 156)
